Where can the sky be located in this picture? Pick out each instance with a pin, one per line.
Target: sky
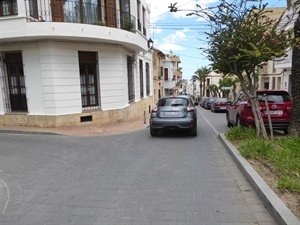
(176, 33)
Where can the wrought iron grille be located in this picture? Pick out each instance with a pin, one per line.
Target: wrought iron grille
(13, 82)
(78, 11)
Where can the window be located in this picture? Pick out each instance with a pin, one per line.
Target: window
(33, 9)
(14, 85)
(141, 79)
(144, 21)
(8, 7)
(130, 77)
(147, 79)
(166, 73)
(138, 8)
(88, 78)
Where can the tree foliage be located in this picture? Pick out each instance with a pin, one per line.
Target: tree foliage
(242, 38)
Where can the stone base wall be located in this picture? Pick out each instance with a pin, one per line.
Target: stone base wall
(135, 110)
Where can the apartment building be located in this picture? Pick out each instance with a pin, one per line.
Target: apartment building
(66, 62)
(271, 74)
(172, 74)
(158, 58)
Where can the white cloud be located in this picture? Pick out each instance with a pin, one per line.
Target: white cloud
(173, 41)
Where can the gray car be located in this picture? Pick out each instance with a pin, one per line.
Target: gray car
(174, 113)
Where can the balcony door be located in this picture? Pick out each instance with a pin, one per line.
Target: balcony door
(110, 13)
(57, 10)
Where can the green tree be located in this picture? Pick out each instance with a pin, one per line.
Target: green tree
(214, 90)
(229, 82)
(243, 37)
(201, 75)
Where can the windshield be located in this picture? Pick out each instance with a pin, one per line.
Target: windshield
(173, 102)
(275, 98)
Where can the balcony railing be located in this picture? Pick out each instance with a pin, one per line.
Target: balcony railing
(72, 11)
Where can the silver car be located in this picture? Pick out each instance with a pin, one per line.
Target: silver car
(174, 113)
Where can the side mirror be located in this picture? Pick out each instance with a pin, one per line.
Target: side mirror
(229, 103)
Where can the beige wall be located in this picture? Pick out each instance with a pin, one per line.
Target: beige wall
(133, 111)
(158, 80)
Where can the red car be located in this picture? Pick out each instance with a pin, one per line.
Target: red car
(219, 105)
(239, 112)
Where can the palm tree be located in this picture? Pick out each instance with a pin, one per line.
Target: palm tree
(294, 127)
(201, 75)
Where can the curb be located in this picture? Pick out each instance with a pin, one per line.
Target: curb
(279, 211)
(28, 132)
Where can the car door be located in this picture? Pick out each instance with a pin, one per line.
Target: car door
(234, 108)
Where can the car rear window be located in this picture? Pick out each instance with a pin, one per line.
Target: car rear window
(275, 97)
(173, 102)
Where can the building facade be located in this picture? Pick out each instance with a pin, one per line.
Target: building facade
(271, 74)
(158, 58)
(66, 62)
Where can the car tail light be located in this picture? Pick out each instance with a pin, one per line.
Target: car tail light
(190, 109)
(289, 107)
(154, 110)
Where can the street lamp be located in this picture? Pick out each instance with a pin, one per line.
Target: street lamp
(150, 43)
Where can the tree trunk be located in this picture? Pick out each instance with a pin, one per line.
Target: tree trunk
(294, 128)
(259, 123)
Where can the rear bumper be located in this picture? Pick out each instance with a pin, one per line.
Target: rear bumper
(276, 125)
(170, 124)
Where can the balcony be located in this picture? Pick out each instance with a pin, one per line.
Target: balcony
(169, 84)
(69, 20)
(78, 12)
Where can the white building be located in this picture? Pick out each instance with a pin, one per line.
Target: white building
(64, 62)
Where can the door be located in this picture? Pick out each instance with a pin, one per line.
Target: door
(88, 78)
(16, 81)
(110, 13)
(57, 10)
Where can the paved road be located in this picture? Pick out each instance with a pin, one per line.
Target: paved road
(133, 179)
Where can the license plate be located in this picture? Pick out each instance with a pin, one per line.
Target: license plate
(222, 107)
(274, 112)
(171, 113)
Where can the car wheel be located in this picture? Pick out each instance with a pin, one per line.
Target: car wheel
(153, 132)
(238, 121)
(285, 131)
(228, 122)
(194, 132)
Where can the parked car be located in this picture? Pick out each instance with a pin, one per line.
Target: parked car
(202, 101)
(219, 105)
(174, 113)
(239, 112)
(208, 103)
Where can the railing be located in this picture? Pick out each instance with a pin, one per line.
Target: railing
(71, 11)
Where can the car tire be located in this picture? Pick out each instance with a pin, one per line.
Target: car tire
(194, 132)
(285, 131)
(153, 132)
(228, 122)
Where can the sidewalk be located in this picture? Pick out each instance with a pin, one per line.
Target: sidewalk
(84, 129)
